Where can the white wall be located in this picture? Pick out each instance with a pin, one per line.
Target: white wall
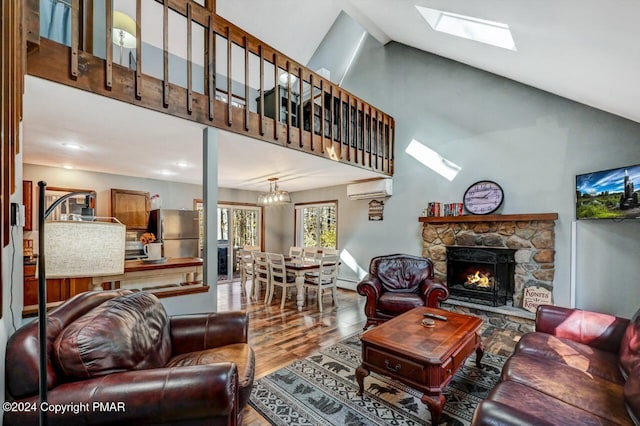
(531, 142)
(12, 279)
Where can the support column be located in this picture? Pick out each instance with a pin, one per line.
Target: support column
(210, 196)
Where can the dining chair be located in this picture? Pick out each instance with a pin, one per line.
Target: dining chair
(295, 252)
(310, 254)
(278, 276)
(251, 248)
(260, 274)
(329, 251)
(327, 277)
(245, 265)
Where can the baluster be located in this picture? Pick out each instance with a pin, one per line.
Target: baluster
(109, 46)
(229, 81)
(276, 98)
(246, 83)
(322, 114)
(288, 102)
(261, 106)
(211, 67)
(75, 23)
(165, 54)
(312, 117)
(189, 62)
(139, 49)
(300, 106)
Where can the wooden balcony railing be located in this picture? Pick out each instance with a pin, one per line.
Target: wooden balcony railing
(215, 74)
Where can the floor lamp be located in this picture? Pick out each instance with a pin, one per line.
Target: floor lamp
(82, 247)
(124, 32)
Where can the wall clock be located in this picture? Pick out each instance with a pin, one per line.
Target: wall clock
(483, 197)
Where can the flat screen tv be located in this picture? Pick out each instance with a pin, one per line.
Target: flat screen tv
(609, 194)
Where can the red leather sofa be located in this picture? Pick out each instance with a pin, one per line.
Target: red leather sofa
(121, 349)
(397, 283)
(576, 368)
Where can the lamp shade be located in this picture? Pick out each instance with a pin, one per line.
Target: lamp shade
(124, 30)
(84, 249)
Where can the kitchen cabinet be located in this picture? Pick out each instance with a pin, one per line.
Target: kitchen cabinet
(131, 208)
(58, 289)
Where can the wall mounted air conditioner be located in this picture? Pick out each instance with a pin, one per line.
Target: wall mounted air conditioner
(371, 189)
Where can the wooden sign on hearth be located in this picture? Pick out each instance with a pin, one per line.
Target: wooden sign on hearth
(534, 297)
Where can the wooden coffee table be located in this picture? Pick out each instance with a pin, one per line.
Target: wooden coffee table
(423, 358)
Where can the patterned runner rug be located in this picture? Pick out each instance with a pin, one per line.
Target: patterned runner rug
(322, 390)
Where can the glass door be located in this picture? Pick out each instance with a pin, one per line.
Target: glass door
(238, 226)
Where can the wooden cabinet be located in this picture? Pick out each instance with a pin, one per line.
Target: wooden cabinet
(283, 102)
(27, 199)
(58, 289)
(131, 208)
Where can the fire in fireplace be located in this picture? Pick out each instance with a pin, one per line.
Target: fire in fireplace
(482, 275)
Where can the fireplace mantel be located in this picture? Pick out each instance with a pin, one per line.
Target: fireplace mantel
(489, 218)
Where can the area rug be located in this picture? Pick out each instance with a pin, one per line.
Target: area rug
(322, 390)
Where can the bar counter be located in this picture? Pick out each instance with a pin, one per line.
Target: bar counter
(147, 276)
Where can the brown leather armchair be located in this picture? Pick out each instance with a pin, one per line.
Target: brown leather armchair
(398, 283)
(121, 349)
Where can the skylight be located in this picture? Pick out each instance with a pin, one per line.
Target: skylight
(430, 158)
(489, 32)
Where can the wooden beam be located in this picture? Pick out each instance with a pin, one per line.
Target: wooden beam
(138, 49)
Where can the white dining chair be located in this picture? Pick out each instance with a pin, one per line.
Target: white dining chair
(311, 254)
(251, 248)
(278, 276)
(327, 277)
(260, 274)
(295, 252)
(245, 265)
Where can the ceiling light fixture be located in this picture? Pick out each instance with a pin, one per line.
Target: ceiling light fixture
(482, 30)
(72, 145)
(274, 197)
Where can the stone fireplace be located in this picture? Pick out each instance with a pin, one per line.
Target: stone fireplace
(531, 237)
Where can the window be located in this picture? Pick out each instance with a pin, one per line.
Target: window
(316, 224)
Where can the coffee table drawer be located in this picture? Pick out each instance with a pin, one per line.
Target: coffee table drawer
(396, 365)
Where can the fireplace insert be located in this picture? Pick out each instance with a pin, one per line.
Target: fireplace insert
(482, 275)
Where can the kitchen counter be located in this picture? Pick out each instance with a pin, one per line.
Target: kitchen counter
(173, 273)
(172, 262)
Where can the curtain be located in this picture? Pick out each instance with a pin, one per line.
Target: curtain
(55, 21)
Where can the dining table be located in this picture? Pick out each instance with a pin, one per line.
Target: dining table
(301, 266)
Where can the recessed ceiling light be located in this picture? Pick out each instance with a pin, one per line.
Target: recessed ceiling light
(72, 145)
(482, 30)
(166, 172)
(182, 164)
(68, 167)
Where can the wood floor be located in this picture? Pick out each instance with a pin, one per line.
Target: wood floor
(279, 337)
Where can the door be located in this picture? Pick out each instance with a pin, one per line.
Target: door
(238, 226)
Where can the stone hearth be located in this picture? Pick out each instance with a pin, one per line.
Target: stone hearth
(531, 235)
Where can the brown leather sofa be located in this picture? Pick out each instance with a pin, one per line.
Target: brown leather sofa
(121, 349)
(397, 283)
(576, 368)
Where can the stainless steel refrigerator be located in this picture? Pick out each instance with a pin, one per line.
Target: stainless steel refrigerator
(177, 230)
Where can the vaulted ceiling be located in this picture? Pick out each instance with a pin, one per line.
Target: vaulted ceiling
(586, 51)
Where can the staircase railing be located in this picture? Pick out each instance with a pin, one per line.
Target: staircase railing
(191, 63)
